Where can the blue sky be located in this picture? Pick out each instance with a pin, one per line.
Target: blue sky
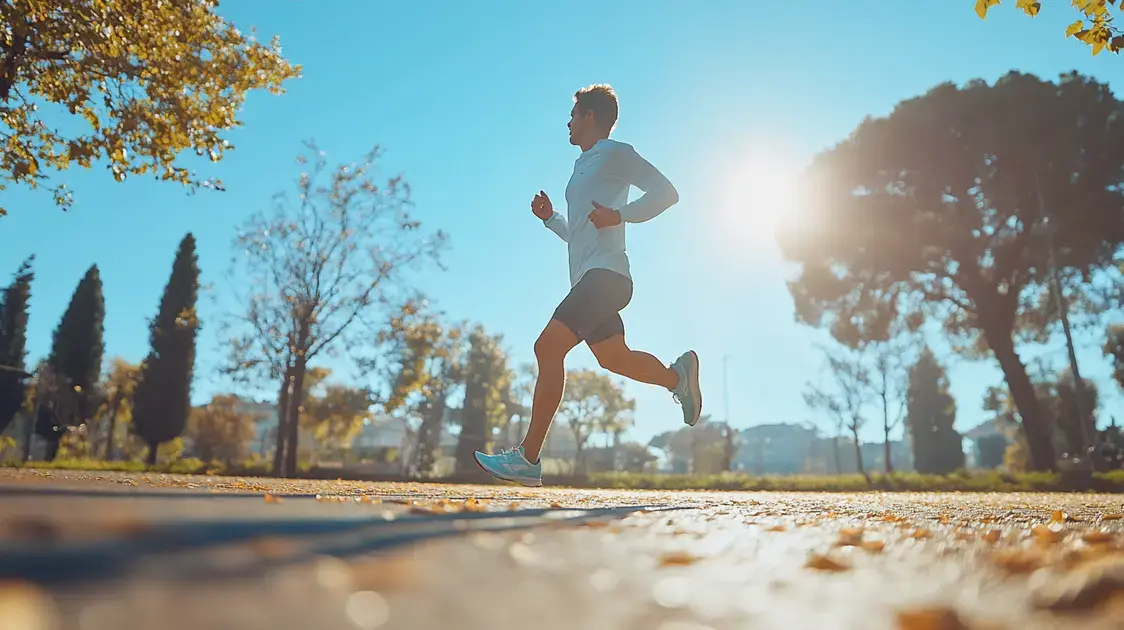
(470, 102)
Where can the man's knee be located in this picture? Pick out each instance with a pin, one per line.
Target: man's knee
(611, 354)
(554, 342)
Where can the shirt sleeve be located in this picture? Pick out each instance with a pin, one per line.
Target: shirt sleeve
(659, 194)
(557, 224)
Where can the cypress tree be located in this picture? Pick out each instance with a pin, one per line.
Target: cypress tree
(78, 347)
(162, 399)
(13, 342)
(930, 415)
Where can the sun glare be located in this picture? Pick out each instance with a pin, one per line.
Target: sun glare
(762, 196)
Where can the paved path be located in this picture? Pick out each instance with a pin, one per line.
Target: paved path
(106, 551)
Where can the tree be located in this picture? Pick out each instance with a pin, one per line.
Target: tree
(13, 342)
(426, 361)
(930, 415)
(1114, 350)
(888, 380)
(332, 412)
(1075, 422)
(315, 268)
(1095, 28)
(118, 388)
(486, 395)
(591, 402)
(162, 400)
(77, 348)
(220, 429)
(144, 81)
(852, 382)
(939, 210)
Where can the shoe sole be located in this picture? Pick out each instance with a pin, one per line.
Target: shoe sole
(538, 484)
(693, 385)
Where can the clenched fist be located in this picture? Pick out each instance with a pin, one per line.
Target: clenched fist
(541, 206)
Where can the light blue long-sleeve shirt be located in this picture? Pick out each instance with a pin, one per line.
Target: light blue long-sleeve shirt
(604, 174)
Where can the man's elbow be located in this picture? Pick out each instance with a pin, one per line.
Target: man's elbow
(671, 195)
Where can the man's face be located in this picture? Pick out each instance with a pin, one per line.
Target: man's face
(580, 125)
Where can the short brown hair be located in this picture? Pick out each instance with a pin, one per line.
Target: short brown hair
(602, 101)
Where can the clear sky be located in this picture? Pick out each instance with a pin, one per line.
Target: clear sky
(470, 102)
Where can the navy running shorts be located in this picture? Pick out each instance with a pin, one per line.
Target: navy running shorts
(592, 308)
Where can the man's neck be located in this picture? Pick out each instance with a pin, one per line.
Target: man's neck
(588, 144)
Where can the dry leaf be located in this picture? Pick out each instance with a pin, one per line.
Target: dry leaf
(850, 537)
(677, 558)
(824, 563)
(1047, 535)
(1098, 537)
(1059, 517)
(874, 546)
(269, 498)
(992, 536)
(777, 528)
(1112, 517)
(1018, 561)
(937, 618)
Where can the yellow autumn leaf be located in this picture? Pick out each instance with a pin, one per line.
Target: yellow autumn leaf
(983, 5)
(677, 558)
(1030, 7)
(1075, 28)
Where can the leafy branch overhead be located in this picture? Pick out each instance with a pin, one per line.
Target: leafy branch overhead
(1096, 28)
(143, 81)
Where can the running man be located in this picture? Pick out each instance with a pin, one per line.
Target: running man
(601, 286)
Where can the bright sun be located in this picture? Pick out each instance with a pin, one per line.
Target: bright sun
(763, 194)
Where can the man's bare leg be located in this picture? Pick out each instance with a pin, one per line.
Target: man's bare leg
(551, 348)
(614, 355)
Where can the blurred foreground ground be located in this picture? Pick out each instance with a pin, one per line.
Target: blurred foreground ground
(111, 551)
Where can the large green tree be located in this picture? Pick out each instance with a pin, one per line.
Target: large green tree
(930, 415)
(140, 82)
(13, 342)
(162, 399)
(77, 348)
(947, 207)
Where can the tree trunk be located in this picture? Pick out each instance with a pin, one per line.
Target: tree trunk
(859, 453)
(52, 450)
(1039, 438)
(292, 426)
(282, 419)
(153, 452)
(838, 456)
(107, 454)
(429, 435)
(886, 450)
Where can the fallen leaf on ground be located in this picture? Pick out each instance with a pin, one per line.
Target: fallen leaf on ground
(1018, 561)
(1098, 537)
(874, 546)
(824, 563)
(1047, 535)
(269, 498)
(677, 558)
(937, 618)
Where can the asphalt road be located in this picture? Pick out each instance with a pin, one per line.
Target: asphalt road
(107, 551)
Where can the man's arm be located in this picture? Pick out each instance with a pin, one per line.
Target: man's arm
(659, 194)
(557, 224)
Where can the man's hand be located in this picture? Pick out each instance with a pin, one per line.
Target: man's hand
(604, 216)
(542, 207)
